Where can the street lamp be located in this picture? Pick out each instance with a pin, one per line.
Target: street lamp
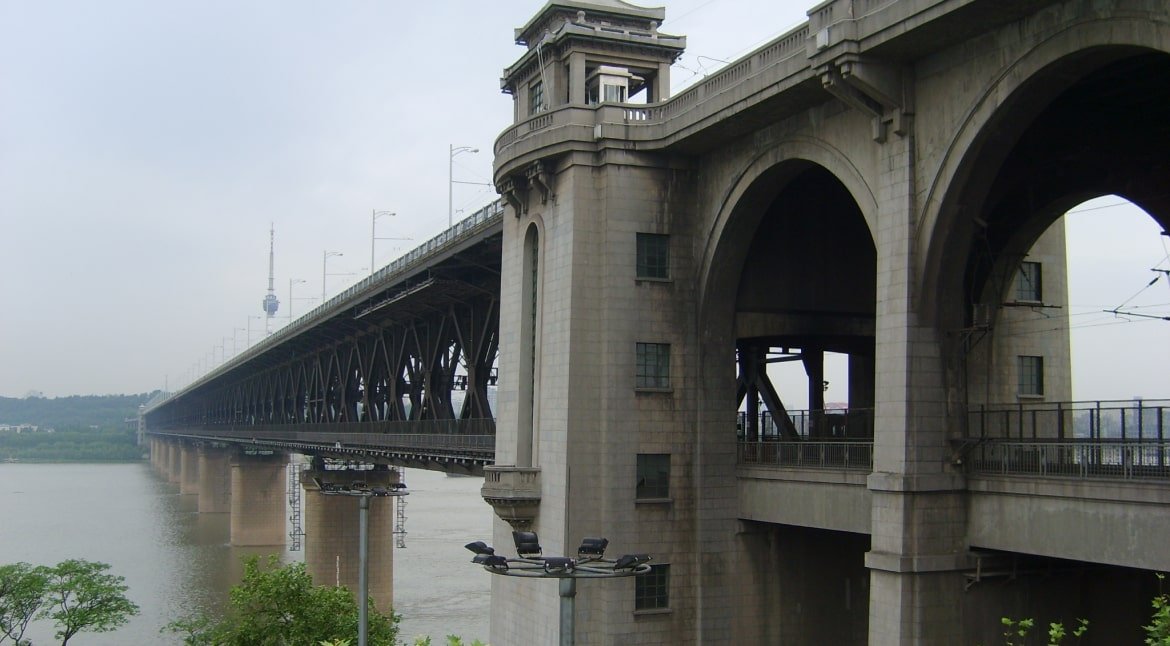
(453, 150)
(590, 563)
(363, 493)
(373, 236)
(250, 318)
(325, 256)
(291, 282)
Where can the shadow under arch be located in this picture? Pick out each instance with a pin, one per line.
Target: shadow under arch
(968, 199)
(790, 263)
(742, 206)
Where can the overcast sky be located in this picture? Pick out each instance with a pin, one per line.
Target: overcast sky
(145, 148)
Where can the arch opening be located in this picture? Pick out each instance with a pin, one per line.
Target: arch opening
(1090, 125)
(803, 310)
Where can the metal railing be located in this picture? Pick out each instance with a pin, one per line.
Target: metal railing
(1125, 420)
(809, 454)
(1108, 459)
(829, 424)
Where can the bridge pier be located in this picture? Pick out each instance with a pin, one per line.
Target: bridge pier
(174, 461)
(332, 533)
(215, 488)
(155, 457)
(258, 499)
(188, 469)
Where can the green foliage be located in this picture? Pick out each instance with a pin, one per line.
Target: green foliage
(81, 596)
(452, 640)
(1016, 632)
(1159, 629)
(22, 593)
(78, 411)
(71, 445)
(280, 606)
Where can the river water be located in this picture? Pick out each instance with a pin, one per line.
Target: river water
(177, 561)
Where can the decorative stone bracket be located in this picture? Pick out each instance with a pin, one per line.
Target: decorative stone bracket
(513, 492)
(875, 88)
(516, 189)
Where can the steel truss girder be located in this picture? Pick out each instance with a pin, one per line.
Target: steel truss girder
(393, 370)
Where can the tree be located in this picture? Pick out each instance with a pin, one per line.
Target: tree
(22, 593)
(1159, 628)
(280, 606)
(80, 596)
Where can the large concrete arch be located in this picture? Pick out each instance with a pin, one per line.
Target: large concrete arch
(735, 214)
(987, 133)
(738, 210)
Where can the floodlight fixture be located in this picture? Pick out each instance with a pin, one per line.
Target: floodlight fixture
(558, 564)
(480, 547)
(527, 544)
(592, 546)
(491, 560)
(630, 561)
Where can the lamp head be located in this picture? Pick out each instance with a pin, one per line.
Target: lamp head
(480, 547)
(527, 544)
(557, 564)
(593, 546)
(494, 561)
(630, 561)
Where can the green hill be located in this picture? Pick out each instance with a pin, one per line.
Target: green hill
(74, 412)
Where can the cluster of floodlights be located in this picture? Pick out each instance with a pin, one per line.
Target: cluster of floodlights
(360, 488)
(590, 561)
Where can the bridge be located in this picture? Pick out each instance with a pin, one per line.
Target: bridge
(909, 158)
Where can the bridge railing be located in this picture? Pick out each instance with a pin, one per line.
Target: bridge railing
(1106, 459)
(828, 424)
(1120, 419)
(808, 454)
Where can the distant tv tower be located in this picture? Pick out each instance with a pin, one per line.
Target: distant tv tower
(270, 303)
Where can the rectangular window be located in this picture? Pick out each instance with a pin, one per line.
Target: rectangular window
(1031, 375)
(1028, 283)
(535, 97)
(653, 255)
(653, 476)
(653, 365)
(652, 590)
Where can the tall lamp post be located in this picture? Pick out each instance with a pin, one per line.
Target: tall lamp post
(325, 256)
(363, 493)
(374, 236)
(250, 318)
(453, 150)
(590, 563)
(291, 282)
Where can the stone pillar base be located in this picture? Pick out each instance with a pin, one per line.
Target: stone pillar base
(332, 533)
(258, 499)
(215, 480)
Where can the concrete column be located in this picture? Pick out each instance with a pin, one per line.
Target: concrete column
(331, 534)
(188, 469)
(662, 83)
(215, 480)
(918, 534)
(577, 78)
(258, 499)
(173, 461)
